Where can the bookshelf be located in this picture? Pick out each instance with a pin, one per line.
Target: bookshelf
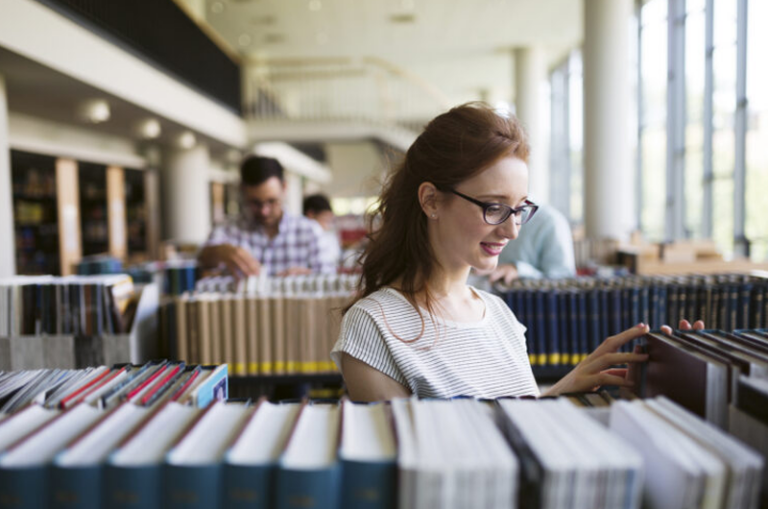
(35, 211)
(92, 180)
(136, 215)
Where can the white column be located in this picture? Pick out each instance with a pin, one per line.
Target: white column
(608, 168)
(7, 237)
(531, 108)
(186, 204)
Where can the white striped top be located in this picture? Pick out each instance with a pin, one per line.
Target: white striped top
(483, 359)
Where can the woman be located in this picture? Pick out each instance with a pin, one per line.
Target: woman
(417, 328)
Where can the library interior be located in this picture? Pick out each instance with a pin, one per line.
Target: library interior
(237, 266)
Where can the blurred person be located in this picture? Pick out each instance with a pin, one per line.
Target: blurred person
(318, 208)
(265, 238)
(542, 250)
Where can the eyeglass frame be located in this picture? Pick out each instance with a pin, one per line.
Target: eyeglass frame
(511, 210)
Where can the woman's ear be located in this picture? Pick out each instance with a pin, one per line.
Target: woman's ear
(428, 199)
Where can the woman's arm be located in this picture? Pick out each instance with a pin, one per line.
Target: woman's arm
(365, 383)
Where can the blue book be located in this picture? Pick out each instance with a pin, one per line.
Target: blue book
(193, 468)
(562, 326)
(582, 321)
(662, 306)
(76, 472)
(250, 465)
(539, 328)
(308, 473)
(368, 454)
(214, 387)
(553, 328)
(134, 474)
(573, 327)
(593, 325)
(24, 472)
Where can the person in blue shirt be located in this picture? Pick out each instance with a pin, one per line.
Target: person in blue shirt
(543, 249)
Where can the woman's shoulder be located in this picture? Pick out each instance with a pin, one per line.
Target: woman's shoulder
(380, 302)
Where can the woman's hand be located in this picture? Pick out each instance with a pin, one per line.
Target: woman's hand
(596, 370)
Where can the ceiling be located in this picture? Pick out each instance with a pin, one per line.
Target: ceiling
(39, 91)
(461, 47)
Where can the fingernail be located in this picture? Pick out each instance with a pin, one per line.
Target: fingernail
(640, 325)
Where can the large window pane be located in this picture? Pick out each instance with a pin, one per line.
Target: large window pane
(695, 54)
(724, 107)
(756, 227)
(653, 142)
(576, 132)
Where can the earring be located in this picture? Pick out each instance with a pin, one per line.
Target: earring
(434, 216)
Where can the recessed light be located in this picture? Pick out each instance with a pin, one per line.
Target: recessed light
(315, 5)
(186, 140)
(94, 111)
(149, 129)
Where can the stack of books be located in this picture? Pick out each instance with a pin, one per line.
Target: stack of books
(567, 319)
(79, 305)
(259, 326)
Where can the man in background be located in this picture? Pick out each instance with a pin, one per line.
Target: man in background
(542, 249)
(318, 208)
(265, 238)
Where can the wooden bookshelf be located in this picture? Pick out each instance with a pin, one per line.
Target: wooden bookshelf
(36, 215)
(92, 179)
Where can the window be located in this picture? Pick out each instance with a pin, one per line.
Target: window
(653, 119)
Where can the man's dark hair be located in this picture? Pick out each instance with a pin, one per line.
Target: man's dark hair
(256, 170)
(316, 203)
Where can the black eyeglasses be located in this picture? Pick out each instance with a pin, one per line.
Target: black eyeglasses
(497, 213)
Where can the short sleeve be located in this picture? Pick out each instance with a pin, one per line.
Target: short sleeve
(361, 338)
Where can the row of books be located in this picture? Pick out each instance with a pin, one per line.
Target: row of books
(256, 335)
(105, 387)
(706, 371)
(311, 284)
(567, 319)
(74, 418)
(408, 453)
(78, 305)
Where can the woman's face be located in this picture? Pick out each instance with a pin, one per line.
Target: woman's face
(460, 236)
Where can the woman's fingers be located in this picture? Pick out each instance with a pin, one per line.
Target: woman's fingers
(698, 325)
(684, 325)
(620, 372)
(613, 343)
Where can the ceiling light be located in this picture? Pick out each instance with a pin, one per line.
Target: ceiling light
(94, 111)
(149, 129)
(217, 7)
(186, 140)
(244, 40)
(315, 5)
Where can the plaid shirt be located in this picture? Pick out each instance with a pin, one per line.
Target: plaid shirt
(297, 244)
